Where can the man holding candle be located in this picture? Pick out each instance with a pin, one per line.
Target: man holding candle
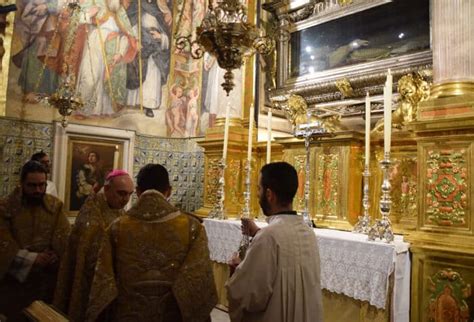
(279, 278)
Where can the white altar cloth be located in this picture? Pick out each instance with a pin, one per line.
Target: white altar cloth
(350, 264)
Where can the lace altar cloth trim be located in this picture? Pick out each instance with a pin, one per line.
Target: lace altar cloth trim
(350, 264)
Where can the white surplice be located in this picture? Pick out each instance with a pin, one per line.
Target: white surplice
(279, 279)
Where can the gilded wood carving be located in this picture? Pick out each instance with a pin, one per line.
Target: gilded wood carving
(447, 299)
(446, 195)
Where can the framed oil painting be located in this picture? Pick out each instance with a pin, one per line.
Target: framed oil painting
(83, 156)
(89, 162)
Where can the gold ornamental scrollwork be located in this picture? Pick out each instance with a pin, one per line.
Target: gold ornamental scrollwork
(212, 182)
(447, 299)
(296, 111)
(446, 196)
(413, 89)
(327, 196)
(234, 182)
(345, 87)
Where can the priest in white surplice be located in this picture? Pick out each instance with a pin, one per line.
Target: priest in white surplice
(279, 279)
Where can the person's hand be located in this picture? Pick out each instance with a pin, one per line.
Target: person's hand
(53, 258)
(46, 259)
(42, 260)
(249, 227)
(93, 11)
(155, 34)
(168, 18)
(40, 10)
(234, 262)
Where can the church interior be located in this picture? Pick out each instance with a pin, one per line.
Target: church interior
(371, 101)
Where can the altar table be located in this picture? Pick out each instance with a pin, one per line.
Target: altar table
(350, 265)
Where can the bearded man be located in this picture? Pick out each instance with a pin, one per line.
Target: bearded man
(77, 265)
(43, 158)
(279, 278)
(33, 235)
(154, 263)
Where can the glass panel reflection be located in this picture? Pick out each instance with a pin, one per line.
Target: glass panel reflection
(390, 30)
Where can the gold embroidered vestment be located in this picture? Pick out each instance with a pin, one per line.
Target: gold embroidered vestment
(154, 265)
(79, 260)
(35, 229)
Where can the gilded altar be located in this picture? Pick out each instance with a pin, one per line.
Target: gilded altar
(321, 77)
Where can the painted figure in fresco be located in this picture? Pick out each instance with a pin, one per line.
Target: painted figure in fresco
(210, 98)
(176, 114)
(89, 177)
(215, 98)
(156, 23)
(192, 116)
(110, 45)
(36, 23)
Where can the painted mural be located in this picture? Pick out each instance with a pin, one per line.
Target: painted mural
(121, 59)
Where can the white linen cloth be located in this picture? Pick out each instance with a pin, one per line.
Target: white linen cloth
(350, 264)
(279, 279)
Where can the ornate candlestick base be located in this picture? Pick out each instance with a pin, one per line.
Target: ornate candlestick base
(363, 225)
(217, 211)
(382, 229)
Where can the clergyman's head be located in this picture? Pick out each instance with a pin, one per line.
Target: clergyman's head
(42, 158)
(33, 182)
(277, 186)
(118, 189)
(153, 176)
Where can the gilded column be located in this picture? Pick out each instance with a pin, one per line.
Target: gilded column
(453, 48)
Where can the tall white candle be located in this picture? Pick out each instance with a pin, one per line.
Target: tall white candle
(249, 150)
(269, 135)
(367, 130)
(226, 131)
(116, 157)
(387, 115)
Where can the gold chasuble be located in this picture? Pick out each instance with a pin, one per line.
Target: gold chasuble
(79, 260)
(24, 232)
(153, 266)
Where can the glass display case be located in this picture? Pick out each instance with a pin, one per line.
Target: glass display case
(390, 29)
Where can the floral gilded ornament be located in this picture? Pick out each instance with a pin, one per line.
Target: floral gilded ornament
(446, 196)
(447, 299)
(212, 183)
(234, 181)
(327, 177)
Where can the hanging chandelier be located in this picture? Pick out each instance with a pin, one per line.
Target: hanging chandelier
(65, 100)
(226, 34)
